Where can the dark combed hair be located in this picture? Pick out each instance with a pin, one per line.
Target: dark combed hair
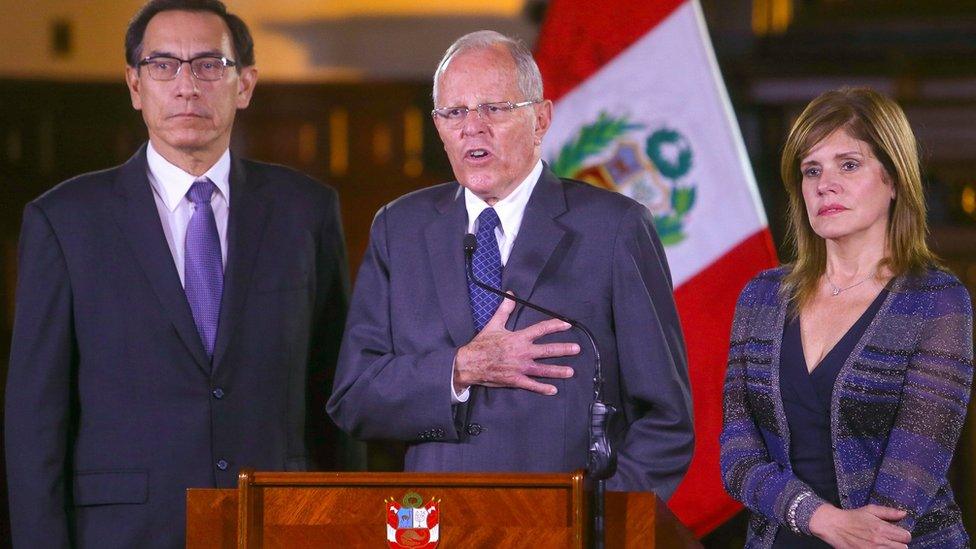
(240, 35)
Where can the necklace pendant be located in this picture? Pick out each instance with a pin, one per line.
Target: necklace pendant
(835, 291)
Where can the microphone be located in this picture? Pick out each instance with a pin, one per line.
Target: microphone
(601, 457)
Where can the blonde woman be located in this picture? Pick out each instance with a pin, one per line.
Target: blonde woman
(849, 369)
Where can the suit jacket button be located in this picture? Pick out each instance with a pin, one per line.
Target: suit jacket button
(475, 429)
(222, 464)
(218, 393)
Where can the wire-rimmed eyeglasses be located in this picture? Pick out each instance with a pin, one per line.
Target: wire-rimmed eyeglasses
(489, 112)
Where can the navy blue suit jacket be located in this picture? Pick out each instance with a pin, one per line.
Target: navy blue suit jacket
(591, 255)
(112, 406)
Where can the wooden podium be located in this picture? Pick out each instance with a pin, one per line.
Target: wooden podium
(295, 510)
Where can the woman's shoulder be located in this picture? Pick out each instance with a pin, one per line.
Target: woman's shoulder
(932, 279)
(764, 286)
(774, 274)
(769, 278)
(937, 285)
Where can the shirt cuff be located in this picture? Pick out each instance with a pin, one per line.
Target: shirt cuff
(458, 398)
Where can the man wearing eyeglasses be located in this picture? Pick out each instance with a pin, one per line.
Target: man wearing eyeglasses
(470, 381)
(173, 314)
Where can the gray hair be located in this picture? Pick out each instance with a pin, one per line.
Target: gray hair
(527, 72)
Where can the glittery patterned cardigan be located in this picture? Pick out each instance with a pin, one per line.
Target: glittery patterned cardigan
(896, 411)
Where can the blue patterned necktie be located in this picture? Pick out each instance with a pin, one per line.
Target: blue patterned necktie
(203, 271)
(486, 264)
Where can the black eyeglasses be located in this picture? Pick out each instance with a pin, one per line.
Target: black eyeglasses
(204, 67)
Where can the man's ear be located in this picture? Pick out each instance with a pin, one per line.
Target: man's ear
(133, 82)
(543, 119)
(246, 80)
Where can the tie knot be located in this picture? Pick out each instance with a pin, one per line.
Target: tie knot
(488, 220)
(201, 190)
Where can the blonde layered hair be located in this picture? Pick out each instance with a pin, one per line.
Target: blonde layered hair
(877, 120)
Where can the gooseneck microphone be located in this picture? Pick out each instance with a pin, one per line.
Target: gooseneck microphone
(601, 460)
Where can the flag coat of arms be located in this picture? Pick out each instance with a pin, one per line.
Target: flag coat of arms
(641, 108)
(411, 523)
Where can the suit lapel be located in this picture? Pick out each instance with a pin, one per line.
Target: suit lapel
(245, 228)
(537, 239)
(445, 237)
(138, 218)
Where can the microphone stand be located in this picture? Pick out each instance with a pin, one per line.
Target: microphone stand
(601, 458)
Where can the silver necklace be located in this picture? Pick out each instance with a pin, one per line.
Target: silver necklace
(835, 289)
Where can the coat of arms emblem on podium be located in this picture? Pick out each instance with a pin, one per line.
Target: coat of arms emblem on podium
(412, 523)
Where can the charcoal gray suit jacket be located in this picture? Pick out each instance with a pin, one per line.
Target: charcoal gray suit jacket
(113, 408)
(587, 253)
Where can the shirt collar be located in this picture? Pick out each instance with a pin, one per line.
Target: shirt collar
(509, 209)
(171, 183)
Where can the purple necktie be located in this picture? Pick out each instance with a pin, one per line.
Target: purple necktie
(203, 269)
(486, 265)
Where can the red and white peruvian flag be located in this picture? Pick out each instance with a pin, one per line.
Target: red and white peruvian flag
(641, 108)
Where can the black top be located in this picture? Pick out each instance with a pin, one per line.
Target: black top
(806, 401)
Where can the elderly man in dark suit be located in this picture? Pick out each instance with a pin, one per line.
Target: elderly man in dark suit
(471, 382)
(169, 311)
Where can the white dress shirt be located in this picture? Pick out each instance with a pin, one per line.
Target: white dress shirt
(510, 211)
(170, 185)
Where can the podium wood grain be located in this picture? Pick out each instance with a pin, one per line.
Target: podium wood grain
(297, 510)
